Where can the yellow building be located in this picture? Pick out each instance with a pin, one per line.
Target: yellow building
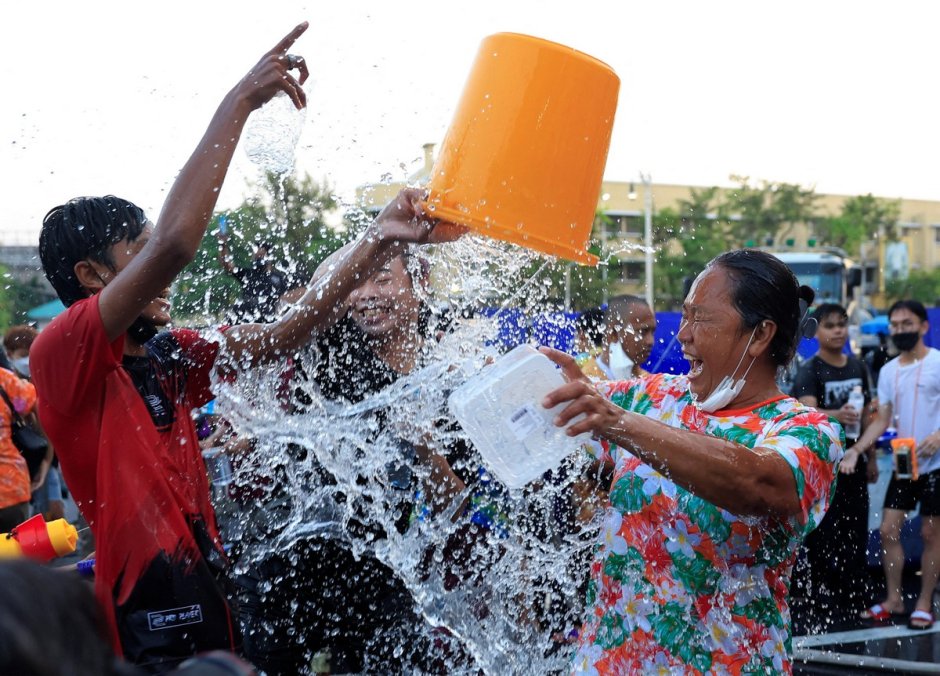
(623, 202)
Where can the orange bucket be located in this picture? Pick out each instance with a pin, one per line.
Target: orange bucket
(524, 156)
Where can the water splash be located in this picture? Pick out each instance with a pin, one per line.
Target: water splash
(271, 134)
(501, 570)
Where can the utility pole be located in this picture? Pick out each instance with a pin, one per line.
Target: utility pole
(648, 234)
(568, 286)
(604, 254)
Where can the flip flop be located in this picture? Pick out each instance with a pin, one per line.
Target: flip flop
(920, 620)
(877, 612)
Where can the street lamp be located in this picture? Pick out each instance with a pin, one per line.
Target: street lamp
(647, 230)
(604, 253)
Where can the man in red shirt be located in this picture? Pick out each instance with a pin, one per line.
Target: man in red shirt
(116, 395)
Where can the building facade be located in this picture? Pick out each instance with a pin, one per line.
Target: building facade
(621, 231)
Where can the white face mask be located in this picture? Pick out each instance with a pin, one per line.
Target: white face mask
(621, 366)
(21, 365)
(728, 389)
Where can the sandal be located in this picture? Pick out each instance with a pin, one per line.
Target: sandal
(877, 612)
(920, 620)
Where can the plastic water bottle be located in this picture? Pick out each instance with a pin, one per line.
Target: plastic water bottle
(856, 401)
(272, 132)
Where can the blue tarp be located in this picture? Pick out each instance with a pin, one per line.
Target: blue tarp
(557, 330)
(46, 311)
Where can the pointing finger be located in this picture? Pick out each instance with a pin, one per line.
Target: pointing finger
(569, 367)
(289, 39)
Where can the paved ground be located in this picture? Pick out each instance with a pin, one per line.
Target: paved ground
(836, 641)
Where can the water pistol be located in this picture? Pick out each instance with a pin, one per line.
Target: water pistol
(40, 541)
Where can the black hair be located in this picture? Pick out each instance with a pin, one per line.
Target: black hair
(621, 304)
(19, 337)
(823, 310)
(618, 310)
(914, 306)
(415, 263)
(764, 288)
(51, 624)
(81, 229)
(591, 324)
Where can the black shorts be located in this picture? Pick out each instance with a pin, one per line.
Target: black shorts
(904, 494)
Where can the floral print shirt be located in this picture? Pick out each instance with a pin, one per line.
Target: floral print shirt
(14, 475)
(679, 585)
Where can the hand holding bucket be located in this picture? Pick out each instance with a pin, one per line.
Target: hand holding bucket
(524, 156)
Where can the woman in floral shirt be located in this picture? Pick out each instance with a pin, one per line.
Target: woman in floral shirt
(718, 477)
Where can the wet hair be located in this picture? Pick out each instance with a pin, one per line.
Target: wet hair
(19, 337)
(51, 625)
(914, 306)
(619, 307)
(84, 228)
(764, 288)
(823, 310)
(591, 324)
(414, 262)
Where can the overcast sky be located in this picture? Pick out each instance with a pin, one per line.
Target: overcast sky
(111, 97)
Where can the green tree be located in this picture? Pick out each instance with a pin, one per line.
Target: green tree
(288, 212)
(792, 204)
(749, 204)
(923, 285)
(768, 210)
(6, 298)
(588, 288)
(699, 228)
(859, 220)
(588, 285)
(18, 297)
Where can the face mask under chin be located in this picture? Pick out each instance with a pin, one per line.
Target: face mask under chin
(621, 365)
(728, 388)
(906, 341)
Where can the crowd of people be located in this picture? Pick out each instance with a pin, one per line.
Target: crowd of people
(708, 487)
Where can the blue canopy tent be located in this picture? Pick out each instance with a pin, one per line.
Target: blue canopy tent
(877, 326)
(43, 314)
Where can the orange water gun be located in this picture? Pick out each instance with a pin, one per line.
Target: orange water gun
(38, 540)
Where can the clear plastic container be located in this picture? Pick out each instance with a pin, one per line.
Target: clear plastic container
(856, 401)
(500, 411)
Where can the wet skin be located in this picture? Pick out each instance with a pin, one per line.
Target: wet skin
(711, 333)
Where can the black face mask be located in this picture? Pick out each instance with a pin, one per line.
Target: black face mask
(141, 331)
(906, 341)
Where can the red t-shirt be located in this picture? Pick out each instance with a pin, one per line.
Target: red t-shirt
(137, 474)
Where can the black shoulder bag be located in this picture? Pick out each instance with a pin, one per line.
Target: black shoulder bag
(31, 444)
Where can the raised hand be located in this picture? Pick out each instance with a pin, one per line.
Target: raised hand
(601, 417)
(272, 73)
(405, 219)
